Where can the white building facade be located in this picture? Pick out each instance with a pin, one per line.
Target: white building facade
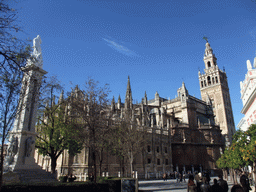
(248, 96)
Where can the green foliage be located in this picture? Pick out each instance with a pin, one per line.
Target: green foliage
(242, 151)
(57, 129)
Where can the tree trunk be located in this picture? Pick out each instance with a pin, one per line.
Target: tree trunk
(254, 171)
(53, 164)
(235, 177)
(2, 161)
(101, 159)
(70, 163)
(94, 165)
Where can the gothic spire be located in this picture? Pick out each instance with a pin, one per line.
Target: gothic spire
(128, 85)
(145, 99)
(113, 104)
(128, 96)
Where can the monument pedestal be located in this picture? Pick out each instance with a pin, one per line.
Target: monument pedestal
(19, 165)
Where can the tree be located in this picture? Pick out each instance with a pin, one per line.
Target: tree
(13, 55)
(91, 106)
(57, 129)
(241, 153)
(129, 139)
(249, 152)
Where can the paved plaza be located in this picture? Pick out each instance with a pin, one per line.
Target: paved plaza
(169, 185)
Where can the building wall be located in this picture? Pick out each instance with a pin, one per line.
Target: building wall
(182, 132)
(248, 97)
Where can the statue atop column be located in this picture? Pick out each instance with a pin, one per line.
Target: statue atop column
(36, 57)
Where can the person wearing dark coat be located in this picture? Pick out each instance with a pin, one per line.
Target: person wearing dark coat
(215, 187)
(223, 184)
(245, 183)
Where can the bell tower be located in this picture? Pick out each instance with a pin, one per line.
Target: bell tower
(214, 86)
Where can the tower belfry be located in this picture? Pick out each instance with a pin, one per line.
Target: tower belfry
(214, 89)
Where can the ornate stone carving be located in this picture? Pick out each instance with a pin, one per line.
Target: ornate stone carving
(12, 150)
(28, 146)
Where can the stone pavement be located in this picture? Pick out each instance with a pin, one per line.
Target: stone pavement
(169, 185)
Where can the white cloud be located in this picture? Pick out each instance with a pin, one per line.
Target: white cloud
(120, 48)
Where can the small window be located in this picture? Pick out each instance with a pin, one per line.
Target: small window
(149, 148)
(216, 78)
(202, 84)
(166, 161)
(149, 160)
(213, 80)
(157, 149)
(209, 64)
(158, 161)
(165, 149)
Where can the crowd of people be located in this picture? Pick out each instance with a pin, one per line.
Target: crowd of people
(202, 184)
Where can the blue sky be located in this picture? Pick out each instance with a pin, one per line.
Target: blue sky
(159, 43)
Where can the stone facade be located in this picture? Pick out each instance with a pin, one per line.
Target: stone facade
(248, 96)
(182, 133)
(215, 91)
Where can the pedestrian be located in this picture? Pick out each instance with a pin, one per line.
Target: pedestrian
(181, 177)
(237, 188)
(71, 178)
(164, 177)
(197, 178)
(244, 180)
(215, 187)
(207, 175)
(191, 184)
(91, 177)
(177, 175)
(223, 184)
(65, 178)
(205, 187)
(184, 176)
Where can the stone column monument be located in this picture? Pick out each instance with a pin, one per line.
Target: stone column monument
(20, 156)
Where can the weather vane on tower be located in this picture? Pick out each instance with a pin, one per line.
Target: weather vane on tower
(206, 39)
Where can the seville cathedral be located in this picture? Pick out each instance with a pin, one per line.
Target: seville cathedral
(185, 133)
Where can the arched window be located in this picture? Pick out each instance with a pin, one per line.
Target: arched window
(209, 64)
(213, 80)
(209, 80)
(216, 78)
(202, 84)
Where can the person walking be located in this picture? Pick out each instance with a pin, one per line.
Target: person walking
(215, 187)
(178, 177)
(205, 187)
(244, 180)
(223, 184)
(191, 184)
(164, 177)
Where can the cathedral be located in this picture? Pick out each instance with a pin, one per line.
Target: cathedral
(184, 133)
